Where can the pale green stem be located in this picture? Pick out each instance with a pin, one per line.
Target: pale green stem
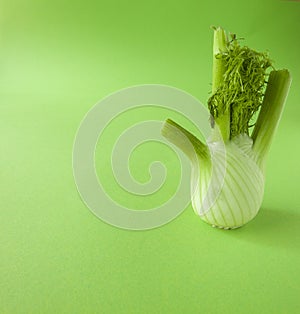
(271, 110)
(220, 45)
(186, 141)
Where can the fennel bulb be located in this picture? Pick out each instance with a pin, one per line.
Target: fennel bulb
(228, 172)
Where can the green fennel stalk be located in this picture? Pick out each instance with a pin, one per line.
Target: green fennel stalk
(244, 82)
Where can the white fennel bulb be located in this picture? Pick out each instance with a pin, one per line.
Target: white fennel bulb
(228, 172)
(237, 184)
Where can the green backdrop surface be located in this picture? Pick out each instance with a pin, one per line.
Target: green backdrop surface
(59, 58)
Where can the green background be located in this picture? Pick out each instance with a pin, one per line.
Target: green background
(59, 58)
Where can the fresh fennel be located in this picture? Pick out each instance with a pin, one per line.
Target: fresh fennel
(233, 159)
